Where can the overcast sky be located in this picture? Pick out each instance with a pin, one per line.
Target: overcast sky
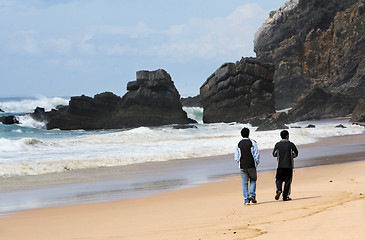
(75, 47)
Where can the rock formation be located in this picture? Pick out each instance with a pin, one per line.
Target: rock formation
(237, 92)
(359, 112)
(319, 104)
(151, 100)
(8, 120)
(315, 43)
(191, 101)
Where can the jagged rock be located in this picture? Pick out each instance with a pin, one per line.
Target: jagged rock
(8, 120)
(358, 114)
(340, 126)
(238, 92)
(191, 101)
(1, 110)
(39, 114)
(319, 104)
(152, 100)
(271, 122)
(314, 43)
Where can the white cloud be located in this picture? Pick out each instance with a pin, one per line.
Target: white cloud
(25, 42)
(78, 64)
(138, 30)
(226, 36)
(59, 45)
(85, 45)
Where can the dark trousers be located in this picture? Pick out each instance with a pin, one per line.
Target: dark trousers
(284, 175)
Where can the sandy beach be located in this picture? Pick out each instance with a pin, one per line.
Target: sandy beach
(328, 203)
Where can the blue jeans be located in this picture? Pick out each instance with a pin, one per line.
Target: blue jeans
(248, 175)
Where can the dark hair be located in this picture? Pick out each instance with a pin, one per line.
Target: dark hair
(245, 132)
(284, 134)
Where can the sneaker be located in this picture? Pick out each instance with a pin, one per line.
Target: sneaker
(252, 199)
(247, 203)
(287, 199)
(277, 196)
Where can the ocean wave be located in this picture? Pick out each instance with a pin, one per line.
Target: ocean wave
(27, 105)
(18, 145)
(28, 121)
(54, 151)
(195, 113)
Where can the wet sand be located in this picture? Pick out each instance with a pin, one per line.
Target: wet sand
(328, 203)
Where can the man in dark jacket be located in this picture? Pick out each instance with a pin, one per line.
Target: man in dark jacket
(285, 151)
(247, 157)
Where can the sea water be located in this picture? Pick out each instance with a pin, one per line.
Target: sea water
(28, 148)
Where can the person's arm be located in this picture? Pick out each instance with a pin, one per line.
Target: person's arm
(294, 151)
(255, 152)
(275, 151)
(237, 155)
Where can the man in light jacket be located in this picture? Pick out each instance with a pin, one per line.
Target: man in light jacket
(247, 157)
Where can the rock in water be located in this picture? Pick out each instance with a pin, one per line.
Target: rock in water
(151, 100)
(237, 92)
(8, 120)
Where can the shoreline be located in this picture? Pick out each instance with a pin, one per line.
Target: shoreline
(136, 181)
(115, 172)
(328, 203)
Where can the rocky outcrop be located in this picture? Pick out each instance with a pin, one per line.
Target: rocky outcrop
(359, 112)
(8, 120)
(151, 100)
(270, 121)
(236, 92)
(319, 104)
(191, 101)
(315, 43)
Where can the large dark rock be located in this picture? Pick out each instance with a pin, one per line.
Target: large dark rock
(237, 92)
(191, 101)
(8, 120)
(358, 114)
(319, 104)
(151, 100)
(270, 121)
(314, 43)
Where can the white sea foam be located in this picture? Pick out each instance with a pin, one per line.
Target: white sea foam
(195, 113)
(28, 105)
(57, 151)
(28, 121)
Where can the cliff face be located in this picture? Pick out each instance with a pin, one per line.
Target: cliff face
(315, 43)
(237, 92)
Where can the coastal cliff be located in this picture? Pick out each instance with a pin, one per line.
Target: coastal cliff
(315, 44)
(237, 92)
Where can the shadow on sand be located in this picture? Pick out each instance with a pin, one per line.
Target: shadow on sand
(294, 199)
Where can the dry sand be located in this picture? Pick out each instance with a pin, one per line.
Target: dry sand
(328, 203)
